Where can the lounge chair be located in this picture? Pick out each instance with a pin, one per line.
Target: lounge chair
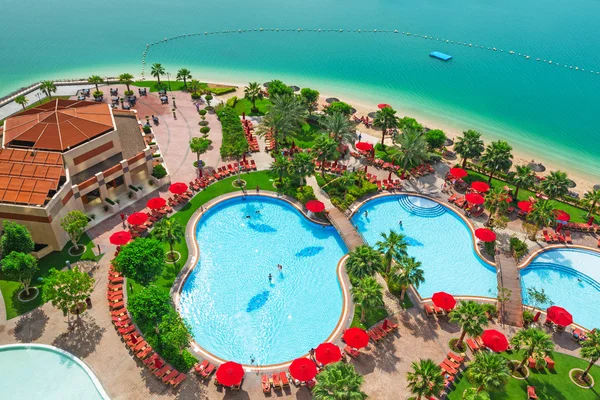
(428, 310)
(547, 237)
(549, 362)
(144, 353)
(266, 384)
(537, 316)
(380, 331)
(352, 352)
(531, 362)
(177, 381)
(162, 371)
(568, 237)
(439, 311)
(374, 335)
(171, 375)
(199, 367)
(208, 371)
(391, 324)
(451, 363)
(284, 379)
(531, 395)
(276, 382)
(455, 358)
(126, 330)
(448, 369)
(472, 345)
(453, 198)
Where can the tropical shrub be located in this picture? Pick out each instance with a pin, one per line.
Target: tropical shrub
(232, 101)
(233, 132)
(518, 247)
(159, 171)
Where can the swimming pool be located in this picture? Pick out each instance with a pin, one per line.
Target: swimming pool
(234, 311)
(570, 278)
(437, 237)
(33, 371)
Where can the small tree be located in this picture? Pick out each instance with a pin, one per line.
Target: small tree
(74, 224)
(364, 261)
(277, 88)
(48, 87)
(590, 349)
(534, 343)
(472, 394)
(67, 289)
(208, 97)
(302, 166)
(199, 146)
(310, 98)
(435, 138)
(281, 168)
(15, 238)
(141, 260)
(149, 305)
(470, 316)
(393, 245)
(425, 379)
(538, 297)
(253, 92)
(367, 293)
(339, 381)
(21, 100)
(339, 107)
(324, 149)
(173, 333)
(407, 272)
(21, 267)
(489, 371)
(169, 230)
(127, 79)
(95, 80)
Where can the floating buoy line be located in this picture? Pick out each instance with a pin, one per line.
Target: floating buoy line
(395, 31)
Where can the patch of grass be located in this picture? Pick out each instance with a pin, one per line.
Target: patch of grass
(548, 384)
(154, 86)
(305, 138)
(37, 103)
(372, 316)
(57, 259)
(245, 106)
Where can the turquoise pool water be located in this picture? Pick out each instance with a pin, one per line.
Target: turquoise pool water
(234, 311)
(570, 278)
(43, 372)
(437, 237)
(536, 106)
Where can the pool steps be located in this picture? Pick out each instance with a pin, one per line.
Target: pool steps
(425, 212)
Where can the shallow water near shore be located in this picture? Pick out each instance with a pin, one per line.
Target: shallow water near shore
(538, 107)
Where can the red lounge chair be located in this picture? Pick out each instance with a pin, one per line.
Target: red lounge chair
(123, 323)
(114, 305)
(374, 335)
(169, 376)
(127, 329)
(391, 324)
(151, 360)
(448, 369)
(451, 363)
(549, 362)
(472, 345)
(162, 371)
(531, 393)
(157, 364)
(275, 381)
(455, 358)
(115, 279)
(266, 384)
(351, 351)
(438, 310)
(568, 237)
(118, 286)
(208, 371)
(284, 379)
(428, 310)
(537, 316)
(547, 238)
(177, 381)
(144, 353)
(453, 198)
(200, 367)
(531, 362)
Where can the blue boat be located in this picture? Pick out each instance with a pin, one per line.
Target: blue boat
(440, 56)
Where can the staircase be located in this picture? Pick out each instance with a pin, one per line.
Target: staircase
(432, 210)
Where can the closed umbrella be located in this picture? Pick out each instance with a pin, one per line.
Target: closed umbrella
(559, 316)
(475, 198)
(494, 340)
(485, 235)
(327, 353)
(120, 238)
(156, 203)
(444, 300)
(458, 173)
(480, 186)
(137, 218)
(303, 369)
(178, 188)
(230, 374)
(356, 337)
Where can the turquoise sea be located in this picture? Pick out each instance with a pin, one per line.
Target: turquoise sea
(540, 108)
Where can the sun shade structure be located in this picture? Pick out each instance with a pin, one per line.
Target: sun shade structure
(156, 203)
(137, 218)
(58, 125)
(303, 369)
(494, 340)
(444, 300)
(356, 337)
(178, 188)
(562, 216)
(458, 173)
(559, 316)
(383, 105)
(327, 353)
(120, 238)
(525, 206)
(475, 198)
(485, 235)
(480, 186)
(364, 146)
(315, 206)
(230, 374)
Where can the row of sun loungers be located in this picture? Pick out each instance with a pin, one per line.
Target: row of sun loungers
(252, 140)
(132, 336)
(378, 332)
(205, 369)
(431, 310)
(555, 237)
(334, 167)
(277, 381)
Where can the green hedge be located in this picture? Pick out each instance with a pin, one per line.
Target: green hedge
(233, 132)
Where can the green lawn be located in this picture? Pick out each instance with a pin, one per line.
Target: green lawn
(37, 103)
(307, 135)
(577, 214)
(372, 316)
(57, 259)
(548, 384)
(245, 106)
(178, 85)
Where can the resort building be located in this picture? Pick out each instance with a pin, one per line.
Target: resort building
(70, 155)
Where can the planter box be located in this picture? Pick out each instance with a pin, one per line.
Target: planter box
(112, 208)
(138, 195)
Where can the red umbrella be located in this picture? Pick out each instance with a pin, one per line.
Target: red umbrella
(178, 188)
(327, 353)
(458, 173)
(120, 238)
(475, 198)
(485, 235)
(303, 369)
(383, 105)
(137, 218)
(315, 206)
(494, 340)
(559, 316)
(525, 206)
(444, 300)
(561, 215)
(480, 186)
(230, 374)
(356, 337)
(156, 203)
(364, 146)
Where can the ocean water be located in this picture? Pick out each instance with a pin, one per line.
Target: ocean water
(540, 108)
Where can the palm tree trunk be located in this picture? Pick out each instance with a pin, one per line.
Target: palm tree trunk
(184, 83)
(522, 363)
(587, 216)
(517, 193)
(362, 313)
(491, 176)
(129, 90)
(75, 244)
(158, 78)
(383, 136)
(323, 168)
(587, 370)
(254, 104)
(402, 294)
(464, 163)
(23, 105)
(171, 247)
(461, 338)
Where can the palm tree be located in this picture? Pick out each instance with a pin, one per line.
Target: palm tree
(363, 261)
(472, 394)
(534, 343)
(280, 167)
(392, 246)
(95, 80)
(302, 166)
(489, 371)
(199, 145)
(407, 272)
(195, 86)
(338, 381)
(425, 379)
(284, 118)
(253, 92)
(590, 200)
(126, 79)
(590, 349)
(339, 127)
(386, 119)
(367, 293)
(469, 146)
(542, 214)
(184, 74)
(48, 87)
(413, 149)
(523, 178)
(496, 202)
(471, 318)
(346, 181)
(324, 149)
(497, 156)
(157, 71)
(555, 185)
(21, 100)
(169, 230)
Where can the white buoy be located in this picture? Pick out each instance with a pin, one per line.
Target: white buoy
(261, 29)
(395, 30)
(550, 62)
(341, 30)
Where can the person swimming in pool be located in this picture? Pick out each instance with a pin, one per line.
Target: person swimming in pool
(280, 267)
(270, 278)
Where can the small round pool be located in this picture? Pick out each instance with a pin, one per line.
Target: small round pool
(34, 371)
(437, 237)
(570, 278)
(235, 311)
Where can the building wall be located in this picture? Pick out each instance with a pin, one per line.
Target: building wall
(92, 152)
